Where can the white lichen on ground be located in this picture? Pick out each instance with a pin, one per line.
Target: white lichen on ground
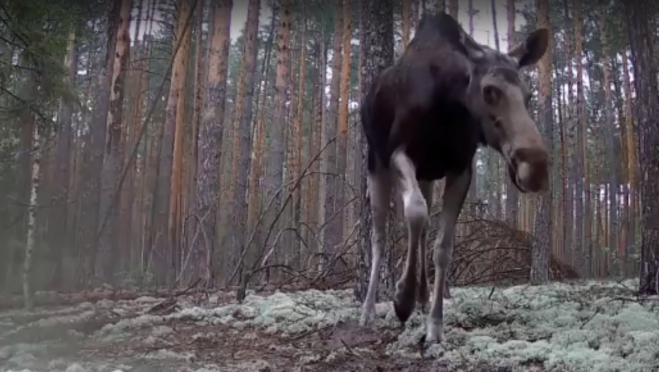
(593, 326)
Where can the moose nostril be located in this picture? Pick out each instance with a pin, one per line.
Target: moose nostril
(535, 156)
(532, 167)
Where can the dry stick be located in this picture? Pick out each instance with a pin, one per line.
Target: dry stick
(336, 257)
(274, 243)
(304, 242)
(152, 109)
(304, 174)
(252, 236)
(193, 242)
(279, 213)
(334, 215)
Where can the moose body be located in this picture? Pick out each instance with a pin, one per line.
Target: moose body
(424, 118)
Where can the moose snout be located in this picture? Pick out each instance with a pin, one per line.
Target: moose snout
(532, 168)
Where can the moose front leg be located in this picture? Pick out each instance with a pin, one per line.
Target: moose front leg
(416, 215)
(379, 189)
(455, 192)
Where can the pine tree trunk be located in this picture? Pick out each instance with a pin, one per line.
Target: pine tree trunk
(112, 254)
(582, 187)
(256, 201)
(573, 174)
(377, 51)
(342, 143)
(298, 122)
(93, 163)
(127, 229)
(242, 137)
(512, 195)
(207, 198)
(277, 144)
(31, 213)
(647, 94)
(543, 224)
(193, 150)
(331, 233)
(631, 155)
(60, 238)
(612, 145)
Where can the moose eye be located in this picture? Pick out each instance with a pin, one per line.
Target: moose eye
(491, 95)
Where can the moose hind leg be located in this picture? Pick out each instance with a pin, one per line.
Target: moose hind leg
(416, 214)
(455, 191)
(379, 189)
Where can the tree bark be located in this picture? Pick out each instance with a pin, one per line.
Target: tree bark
(543, 224)
(612, 145)
(35, 167)
(242, 135)
(277, 144)
(60, 230)
(647, 110)
(162, 227)
(512, 195)
(113, 255)
(210, 140)
(377, 53)
(582, 189)
(331, 232)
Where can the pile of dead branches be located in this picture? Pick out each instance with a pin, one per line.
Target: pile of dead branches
(489, 252)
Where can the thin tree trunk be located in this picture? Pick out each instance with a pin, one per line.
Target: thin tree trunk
(573, 176)
(342, 145)
(298, 121)
(31, 213)
(331, 233)
(543, 225)
(631, 154)
(200, 88)
(127, 196)
(583, 186)
(512, 195)
(612, 145)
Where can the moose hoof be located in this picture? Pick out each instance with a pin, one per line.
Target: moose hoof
(404, 305)
(435, 332)
(367, 317)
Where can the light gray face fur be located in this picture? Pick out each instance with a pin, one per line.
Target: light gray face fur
(500, 98)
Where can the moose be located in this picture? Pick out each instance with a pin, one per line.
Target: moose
(424, 118)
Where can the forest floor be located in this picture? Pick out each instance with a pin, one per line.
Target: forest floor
(591, 326)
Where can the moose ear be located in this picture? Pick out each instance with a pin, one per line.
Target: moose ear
(474, 50)
(532, 49)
